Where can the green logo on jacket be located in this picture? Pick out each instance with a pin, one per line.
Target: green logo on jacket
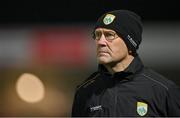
(142, 108)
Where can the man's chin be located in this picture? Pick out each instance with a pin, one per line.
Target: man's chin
(103, 61)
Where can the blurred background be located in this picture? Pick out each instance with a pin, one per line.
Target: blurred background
(46, 49)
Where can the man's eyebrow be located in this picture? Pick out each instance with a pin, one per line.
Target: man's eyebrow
(109, 32)
(105, 31)
(98, 31)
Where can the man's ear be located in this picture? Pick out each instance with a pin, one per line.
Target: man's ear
(130, 52)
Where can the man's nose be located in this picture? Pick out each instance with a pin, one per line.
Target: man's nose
(102, 40)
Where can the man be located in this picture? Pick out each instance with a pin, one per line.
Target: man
(122, 86)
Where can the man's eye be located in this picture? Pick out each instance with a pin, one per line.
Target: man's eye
(109, 35)
(98, 35)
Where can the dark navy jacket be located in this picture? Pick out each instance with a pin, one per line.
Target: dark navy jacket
(137, 91)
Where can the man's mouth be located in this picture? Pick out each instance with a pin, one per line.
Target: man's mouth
(102, 53)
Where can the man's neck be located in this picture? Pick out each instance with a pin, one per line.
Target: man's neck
(120, 66)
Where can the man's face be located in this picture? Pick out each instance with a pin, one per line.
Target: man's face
(110, 48)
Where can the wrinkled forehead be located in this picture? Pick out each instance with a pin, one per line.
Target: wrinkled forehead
(104, 30)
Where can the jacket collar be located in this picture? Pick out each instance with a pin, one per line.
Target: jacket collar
(134, 67)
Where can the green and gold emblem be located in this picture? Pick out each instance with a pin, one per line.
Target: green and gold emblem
(142, 108)
(108, 19)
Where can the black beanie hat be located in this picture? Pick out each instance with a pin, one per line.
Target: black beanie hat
(126, 24)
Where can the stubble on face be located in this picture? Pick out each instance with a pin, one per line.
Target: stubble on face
(113, 52)
(108, 52)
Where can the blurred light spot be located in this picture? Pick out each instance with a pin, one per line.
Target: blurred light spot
(30, 88)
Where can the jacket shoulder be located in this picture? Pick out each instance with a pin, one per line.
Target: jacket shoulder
(91, 79)
(158, 79)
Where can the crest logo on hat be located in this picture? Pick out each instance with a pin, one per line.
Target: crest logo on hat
(142, 108)
(108, 19)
